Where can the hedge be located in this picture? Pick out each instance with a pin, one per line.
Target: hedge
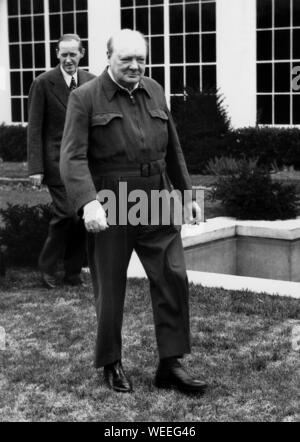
(13, 143)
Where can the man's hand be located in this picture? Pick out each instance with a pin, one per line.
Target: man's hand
(192, 213)
(94, 217)
(36, 180)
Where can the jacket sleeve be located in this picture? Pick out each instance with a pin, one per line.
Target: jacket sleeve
(74, 167)
(176, 165)
(36, 107)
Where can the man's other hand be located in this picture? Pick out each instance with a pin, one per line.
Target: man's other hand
(94, 217)
(36, 180)
(192, 213)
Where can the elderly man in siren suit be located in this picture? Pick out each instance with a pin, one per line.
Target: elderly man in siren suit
(119, 130)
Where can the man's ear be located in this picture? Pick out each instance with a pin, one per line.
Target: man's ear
(82, 53)
(108, 57)
(57, 53)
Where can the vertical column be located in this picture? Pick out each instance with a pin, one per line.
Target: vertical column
(236, 59)
(5, 100)
(104, 20)
(167, 52)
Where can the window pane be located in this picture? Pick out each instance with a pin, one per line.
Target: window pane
(176, 49)
(209, 77)
(176, 19)
(192, 43)
(282, 45)
(125, 3)
(26, 29)
(13, 30)
(39, 29)
(25, 6)
(193, 77)
(85, 60)
(27, 56)
(82, 24)
(68, 23)
(208, 17)
(157, 20)
(55, 31)
(127, 19)
(264, 45)
(39, 54)
(142, 20)
(192, 18)
(264, 13)
(12, 7)
(282, 77)
(296, 78)
(27, 80)
(282, 109)
(38, 6)
(296, 13)
(282, 13)
(14, 53)
(176, 80)
(141, 2)
(81, 5)
(16, 114)
(25, 109)
(264, 109)
(54, 60)
(264, 77)
(157, 50)
(54, 5)
(158, 74)
(68, 5)
(208, 47)
(296, 44)
(15, 80)
(296, 109)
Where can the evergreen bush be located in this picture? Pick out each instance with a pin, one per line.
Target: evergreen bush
(251, 194)
(24, 232)
(13, 143)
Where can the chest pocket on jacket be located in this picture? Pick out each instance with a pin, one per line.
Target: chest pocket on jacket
(106, 134)
(159, 132)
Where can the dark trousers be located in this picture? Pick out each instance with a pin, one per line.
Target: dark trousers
(66, 237)
(161, 253)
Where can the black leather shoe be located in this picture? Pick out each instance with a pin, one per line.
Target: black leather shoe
(73, 280)
(49, 281)
(116, 379)
(172, 375)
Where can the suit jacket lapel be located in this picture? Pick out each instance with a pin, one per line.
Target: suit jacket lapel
(59, 86)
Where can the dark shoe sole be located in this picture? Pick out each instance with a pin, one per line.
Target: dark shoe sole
(182, 388)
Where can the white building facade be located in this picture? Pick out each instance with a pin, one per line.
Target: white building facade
(249, 50)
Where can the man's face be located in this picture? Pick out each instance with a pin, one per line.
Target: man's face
(127, 62)
(69, 56)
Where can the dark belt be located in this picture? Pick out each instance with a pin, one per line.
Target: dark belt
(141, 169)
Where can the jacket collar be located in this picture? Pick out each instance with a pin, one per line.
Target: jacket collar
(111, 88)
(59, 86)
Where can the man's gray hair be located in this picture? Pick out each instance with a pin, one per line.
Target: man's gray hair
(124, 33)
(70, 37)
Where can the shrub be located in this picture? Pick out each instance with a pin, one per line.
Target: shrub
(251, 194)
(227, 165)
(24, 232)
(201, 123)
(13, 143)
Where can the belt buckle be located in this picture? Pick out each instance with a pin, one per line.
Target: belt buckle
(145, 169)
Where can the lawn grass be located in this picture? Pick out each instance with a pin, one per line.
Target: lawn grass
(241, 346)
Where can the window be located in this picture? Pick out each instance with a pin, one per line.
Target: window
(278, 54)
(31, 32)
(183, 55)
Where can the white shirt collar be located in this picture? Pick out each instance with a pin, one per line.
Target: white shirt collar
(122, 87)
(68, 78)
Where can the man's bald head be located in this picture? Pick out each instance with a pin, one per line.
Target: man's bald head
(127, 53)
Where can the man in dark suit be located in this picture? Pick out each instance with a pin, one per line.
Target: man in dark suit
(48, 100)
(119, 131)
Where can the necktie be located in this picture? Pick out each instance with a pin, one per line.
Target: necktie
(73, 84)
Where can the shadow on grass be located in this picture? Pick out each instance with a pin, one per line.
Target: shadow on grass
(241, 346)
